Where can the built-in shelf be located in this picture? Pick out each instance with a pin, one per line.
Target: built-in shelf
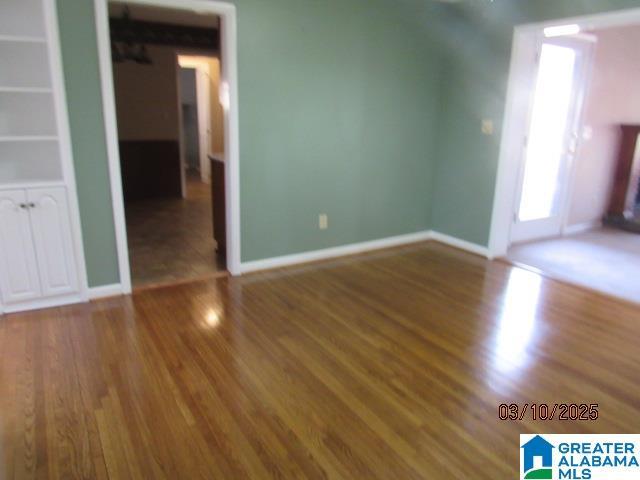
(25, 89)
(36, 163)
(30, 153)
(22, 38)
(25, 162)
(28, 138)
(24, 66)
(27, 115)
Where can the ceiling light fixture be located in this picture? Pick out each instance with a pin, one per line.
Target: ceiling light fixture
(128, 49)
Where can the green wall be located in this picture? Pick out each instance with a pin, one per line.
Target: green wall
(79, 57)
(337, 115)
(367, 110)
(477, 38)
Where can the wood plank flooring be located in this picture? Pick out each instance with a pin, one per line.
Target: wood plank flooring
(384, 366)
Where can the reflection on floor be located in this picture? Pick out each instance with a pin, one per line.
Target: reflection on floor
(389, 365)
(607, 260)
(172, 239)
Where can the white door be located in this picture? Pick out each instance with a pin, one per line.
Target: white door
(53, 241)
(18, 268)
(203, 96)
(552, 138)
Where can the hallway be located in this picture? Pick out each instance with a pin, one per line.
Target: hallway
(171, 240)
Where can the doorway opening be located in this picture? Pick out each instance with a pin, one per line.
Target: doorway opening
(551, 136)
(168, 91)
(569, 174)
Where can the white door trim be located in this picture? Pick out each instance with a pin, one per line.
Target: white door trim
(229, 79)
(111, 132)
(200, 64)
(203, 100)
(64, 141)
(553, 225)
(517, 99)
(181, 139)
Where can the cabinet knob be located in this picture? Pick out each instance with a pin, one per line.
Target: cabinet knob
(31, 205)
(23, 205)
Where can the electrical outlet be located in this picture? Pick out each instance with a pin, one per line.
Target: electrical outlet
(323, 221)
(487, 126)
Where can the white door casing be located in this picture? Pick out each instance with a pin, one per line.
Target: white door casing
(229, 84)
(203, 95)
(554, 120)
(516, 108)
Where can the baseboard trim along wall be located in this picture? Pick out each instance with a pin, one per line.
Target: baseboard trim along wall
(461, 244)
(328, 253)
(43, 303)
(105, 291)
(355, 248)
(116, 289)
(333, 252)
(582, 227)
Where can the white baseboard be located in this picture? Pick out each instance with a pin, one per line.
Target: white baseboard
(93, 294)
(354, 248)
(42, 303)
(582, 227)
(461, 244)
(334, 252)
(105, 291)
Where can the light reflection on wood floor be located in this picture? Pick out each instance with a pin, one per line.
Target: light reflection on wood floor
(389, 365)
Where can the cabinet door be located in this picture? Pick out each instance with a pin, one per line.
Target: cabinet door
(18, 268)
(53, 241)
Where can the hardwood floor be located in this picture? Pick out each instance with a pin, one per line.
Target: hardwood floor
(384, 366)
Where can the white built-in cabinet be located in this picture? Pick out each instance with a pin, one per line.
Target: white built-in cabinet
(19, 280)
(41, 258)
(37, 253)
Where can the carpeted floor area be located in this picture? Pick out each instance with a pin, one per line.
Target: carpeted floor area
(607, 260)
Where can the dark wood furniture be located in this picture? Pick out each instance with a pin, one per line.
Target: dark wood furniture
(623, 204)
(218, 195)
(619, 204)
(150, 169)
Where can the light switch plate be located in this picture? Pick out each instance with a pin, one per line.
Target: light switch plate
(323, 221)
(487, 126)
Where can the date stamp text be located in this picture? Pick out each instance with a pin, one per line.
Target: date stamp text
(545, 411)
